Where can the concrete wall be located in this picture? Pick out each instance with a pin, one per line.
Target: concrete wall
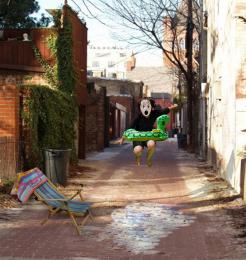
(155, 79)
(226, 78)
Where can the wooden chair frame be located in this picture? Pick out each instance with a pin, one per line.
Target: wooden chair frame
(53, 210)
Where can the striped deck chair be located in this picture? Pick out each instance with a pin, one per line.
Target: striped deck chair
(56, 202)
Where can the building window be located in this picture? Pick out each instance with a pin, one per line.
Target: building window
(122, 54)
(102, 54)
(111, 64)
(112, 75)
(89, 73)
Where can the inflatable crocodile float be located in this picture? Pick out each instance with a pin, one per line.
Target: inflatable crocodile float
(158, 134)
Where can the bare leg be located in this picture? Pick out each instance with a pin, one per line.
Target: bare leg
(138, 150)
(151, 150)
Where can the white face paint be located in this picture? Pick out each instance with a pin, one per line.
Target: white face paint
(145, 107)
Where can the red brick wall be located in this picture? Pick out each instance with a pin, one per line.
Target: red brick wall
(19, 54)
(91, 128)
(9, 129)
(95, 121)
(101, 119)
(9, 104)
(9, 118)
(128, 103)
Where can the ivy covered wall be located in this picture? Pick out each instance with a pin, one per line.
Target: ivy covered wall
(49, 116)
(51, 111)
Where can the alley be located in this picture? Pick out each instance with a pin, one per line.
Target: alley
(174, 210)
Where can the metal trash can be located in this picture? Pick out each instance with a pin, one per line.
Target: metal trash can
(57, 165)
(182, 140)
(175, 131)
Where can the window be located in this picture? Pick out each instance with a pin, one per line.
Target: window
(122, 54)
(112, 75)
(111, 64)
(89, 73)
(101, 54)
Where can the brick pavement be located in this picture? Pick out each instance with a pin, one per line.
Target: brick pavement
(168, 211)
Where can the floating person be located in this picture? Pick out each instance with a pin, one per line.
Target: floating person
(145, 121)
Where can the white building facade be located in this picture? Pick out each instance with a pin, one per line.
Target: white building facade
(225, 88)
(109, 62)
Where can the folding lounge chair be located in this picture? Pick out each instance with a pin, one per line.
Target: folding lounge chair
(56, 202)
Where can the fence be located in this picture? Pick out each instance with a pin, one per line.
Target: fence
(8, 157)
(18, 54)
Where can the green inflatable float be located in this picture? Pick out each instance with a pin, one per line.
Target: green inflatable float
(158, 134)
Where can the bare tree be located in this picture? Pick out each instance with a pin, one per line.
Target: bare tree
(169, 25)
(150, 24)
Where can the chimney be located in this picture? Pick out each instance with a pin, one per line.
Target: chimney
(131, 63)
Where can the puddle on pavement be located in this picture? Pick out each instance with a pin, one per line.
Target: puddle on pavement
(139, 227)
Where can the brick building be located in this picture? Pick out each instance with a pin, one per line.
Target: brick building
(123, 97)
(94, 121)
(18, 66)
(175, 44)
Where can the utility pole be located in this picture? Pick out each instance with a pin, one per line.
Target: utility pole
(189, 50)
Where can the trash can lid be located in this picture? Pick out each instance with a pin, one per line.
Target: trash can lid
(57, 150)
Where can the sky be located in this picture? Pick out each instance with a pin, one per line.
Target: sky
(99, 34)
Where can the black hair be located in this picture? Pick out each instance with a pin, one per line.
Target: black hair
(152, 101)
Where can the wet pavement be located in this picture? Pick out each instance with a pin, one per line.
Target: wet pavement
(176, 209)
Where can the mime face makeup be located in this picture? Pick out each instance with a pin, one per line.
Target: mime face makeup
(145, 107)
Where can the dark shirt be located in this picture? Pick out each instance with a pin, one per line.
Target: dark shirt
(142, 123)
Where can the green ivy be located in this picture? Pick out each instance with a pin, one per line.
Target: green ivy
(61, 75)
(50, 111)
(50, 72)
(50, 117)
(64, 46)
